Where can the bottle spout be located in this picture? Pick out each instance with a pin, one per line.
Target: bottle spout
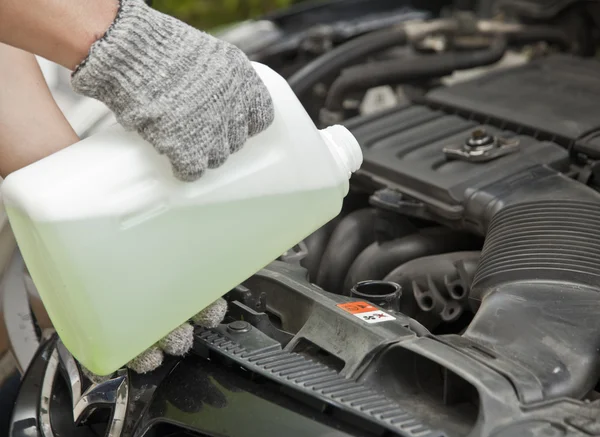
(344, 147)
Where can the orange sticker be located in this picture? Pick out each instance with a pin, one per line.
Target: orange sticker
(357, 307)
(366, 312)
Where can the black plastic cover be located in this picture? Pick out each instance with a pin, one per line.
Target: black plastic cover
(538, 9)
(403, 149)
(392, 379)
(556, 98)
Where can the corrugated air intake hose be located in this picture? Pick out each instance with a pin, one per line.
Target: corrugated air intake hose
(537, 286)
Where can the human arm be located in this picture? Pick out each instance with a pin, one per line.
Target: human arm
(61, 31)
(195, 98)
(31, 124)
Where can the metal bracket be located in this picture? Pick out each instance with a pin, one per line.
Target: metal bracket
(482, 147)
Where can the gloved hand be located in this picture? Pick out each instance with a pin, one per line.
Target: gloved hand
(178, 342)
(195, 98)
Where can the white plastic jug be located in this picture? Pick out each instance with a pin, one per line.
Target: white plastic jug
(122, 252)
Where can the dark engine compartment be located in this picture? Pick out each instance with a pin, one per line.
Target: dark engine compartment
(457, 292)
(533, 286)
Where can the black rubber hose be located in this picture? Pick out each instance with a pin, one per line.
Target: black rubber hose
(356, 50)
(355, 232)
(531, 34)
(378, 260)
(363, 77)
(538, 282)
(316, 244)
(435, 288)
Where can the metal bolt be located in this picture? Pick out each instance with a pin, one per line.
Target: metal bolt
(239, 326)
(479, 138)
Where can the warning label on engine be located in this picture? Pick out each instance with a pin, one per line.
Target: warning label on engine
(366, 312)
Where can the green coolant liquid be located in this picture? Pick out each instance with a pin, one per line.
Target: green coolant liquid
(167, 267)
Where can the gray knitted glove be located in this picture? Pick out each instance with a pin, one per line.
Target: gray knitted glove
(178, 342)
(194, 97)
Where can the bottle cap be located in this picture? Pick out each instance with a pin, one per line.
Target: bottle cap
(344, 146)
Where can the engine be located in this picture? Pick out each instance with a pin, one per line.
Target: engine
(457, 293)
(479, 208)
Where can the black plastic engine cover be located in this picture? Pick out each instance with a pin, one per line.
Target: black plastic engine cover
(556, 99)
(550, 106)
(403, 149)
(538, 9)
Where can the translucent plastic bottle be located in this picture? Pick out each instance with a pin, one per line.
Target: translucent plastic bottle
(122, 252)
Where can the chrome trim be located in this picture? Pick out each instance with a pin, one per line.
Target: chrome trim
(73, 375)
(46, 395)
(114, 392)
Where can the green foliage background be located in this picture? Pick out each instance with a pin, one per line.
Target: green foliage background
(210, 14)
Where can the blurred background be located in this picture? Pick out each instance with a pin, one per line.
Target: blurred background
(212, 14)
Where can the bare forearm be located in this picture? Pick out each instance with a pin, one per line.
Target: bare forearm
(31, 124)
(59, 30)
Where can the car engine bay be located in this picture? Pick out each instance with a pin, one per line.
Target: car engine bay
(457, 292)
